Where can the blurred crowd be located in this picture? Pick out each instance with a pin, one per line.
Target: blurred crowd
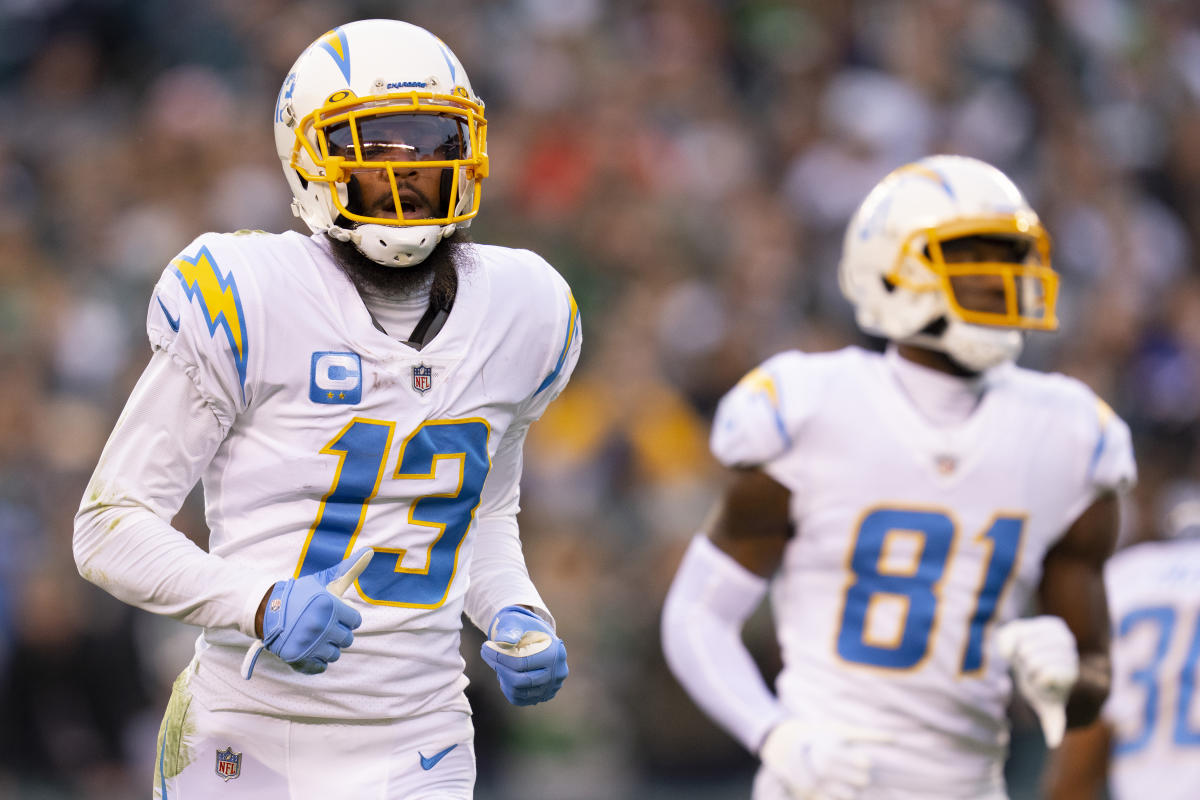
(689, 166)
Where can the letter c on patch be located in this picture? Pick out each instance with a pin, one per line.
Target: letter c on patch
(336, 378)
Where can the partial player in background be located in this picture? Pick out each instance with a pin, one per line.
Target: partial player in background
(1147, 742)
(355, 403)
(904, 508)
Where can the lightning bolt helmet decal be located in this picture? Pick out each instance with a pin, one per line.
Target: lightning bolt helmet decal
(338, 48)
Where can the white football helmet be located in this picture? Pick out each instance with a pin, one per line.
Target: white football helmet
(894, 272)
(377, 105)
(1179, 510)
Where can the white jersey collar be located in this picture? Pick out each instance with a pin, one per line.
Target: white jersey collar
(941, 398)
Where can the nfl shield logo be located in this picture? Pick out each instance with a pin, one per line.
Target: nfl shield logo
(229, 763)
(422, 378)
(946, 464)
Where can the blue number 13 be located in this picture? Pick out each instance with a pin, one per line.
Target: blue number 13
(362, 448)
(918, 586)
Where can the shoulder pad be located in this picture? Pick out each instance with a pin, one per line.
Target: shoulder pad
(198, 314)
(536, 299)
(1112, 464)
(750, 428)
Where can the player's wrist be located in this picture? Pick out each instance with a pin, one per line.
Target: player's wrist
(1090, 691)
(519, 617)
(271, 609)
(261, 613)
(769, 726)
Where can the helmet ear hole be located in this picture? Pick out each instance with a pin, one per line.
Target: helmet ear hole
(303, 181)
(936, 328)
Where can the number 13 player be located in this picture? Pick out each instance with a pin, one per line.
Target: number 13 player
(355, 403)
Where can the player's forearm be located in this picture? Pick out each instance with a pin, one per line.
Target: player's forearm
(1090, 690)
(705, 609)
(1078, 769)
(499, 576)
(140, 559)
(123, 541)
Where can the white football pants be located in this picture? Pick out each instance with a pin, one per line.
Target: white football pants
(234, 755)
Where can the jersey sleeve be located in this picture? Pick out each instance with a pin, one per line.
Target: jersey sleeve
(499, 576)
(1112, 466)
(123, 540)
(1096, 453)
(561, 352)
(756, 419)
(198, 315)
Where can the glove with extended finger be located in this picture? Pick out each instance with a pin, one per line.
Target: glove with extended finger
(1045, 663)
(529, 659)
(305, 623)
(819, 762)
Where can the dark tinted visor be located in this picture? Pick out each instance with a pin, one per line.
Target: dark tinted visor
(401, 137)
(994, 248)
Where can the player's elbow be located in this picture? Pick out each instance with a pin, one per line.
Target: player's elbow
(684, 620)
(673, 627)
(96, 522)
(84, 538)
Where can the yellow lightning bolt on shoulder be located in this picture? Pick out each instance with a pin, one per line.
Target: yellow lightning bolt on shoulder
(1104, 413)
(220, 302)
(759, 380)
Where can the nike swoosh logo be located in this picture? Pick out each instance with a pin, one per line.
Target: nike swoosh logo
(431, 762)
(174, 323)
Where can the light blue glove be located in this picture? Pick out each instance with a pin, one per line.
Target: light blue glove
(305, 623)
(530, 661)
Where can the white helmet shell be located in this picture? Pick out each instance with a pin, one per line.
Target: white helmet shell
(372, 69)
(893, 272)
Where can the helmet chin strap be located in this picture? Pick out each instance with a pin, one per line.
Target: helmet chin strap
(974, 347)
(393, 246)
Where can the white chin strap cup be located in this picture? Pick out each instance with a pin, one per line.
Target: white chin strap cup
(394, 246)
(975, 347)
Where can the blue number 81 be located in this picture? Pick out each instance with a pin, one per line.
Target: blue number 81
(918, 585)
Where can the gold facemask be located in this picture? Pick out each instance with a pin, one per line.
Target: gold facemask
(352, 119)
(1030, 287)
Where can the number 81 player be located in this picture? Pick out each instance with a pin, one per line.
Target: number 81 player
(355, 403)
(904, 508)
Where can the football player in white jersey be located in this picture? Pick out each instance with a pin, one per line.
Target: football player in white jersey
(1147, 741)
(903, 509)
(355, 403)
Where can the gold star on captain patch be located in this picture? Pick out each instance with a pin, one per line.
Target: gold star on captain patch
(329, 396)
(341, 395)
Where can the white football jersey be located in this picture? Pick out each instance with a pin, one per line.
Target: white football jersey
(342, 437)
(912, 542)
(1154, 708)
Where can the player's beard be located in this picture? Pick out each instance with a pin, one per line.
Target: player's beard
(437, 274)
